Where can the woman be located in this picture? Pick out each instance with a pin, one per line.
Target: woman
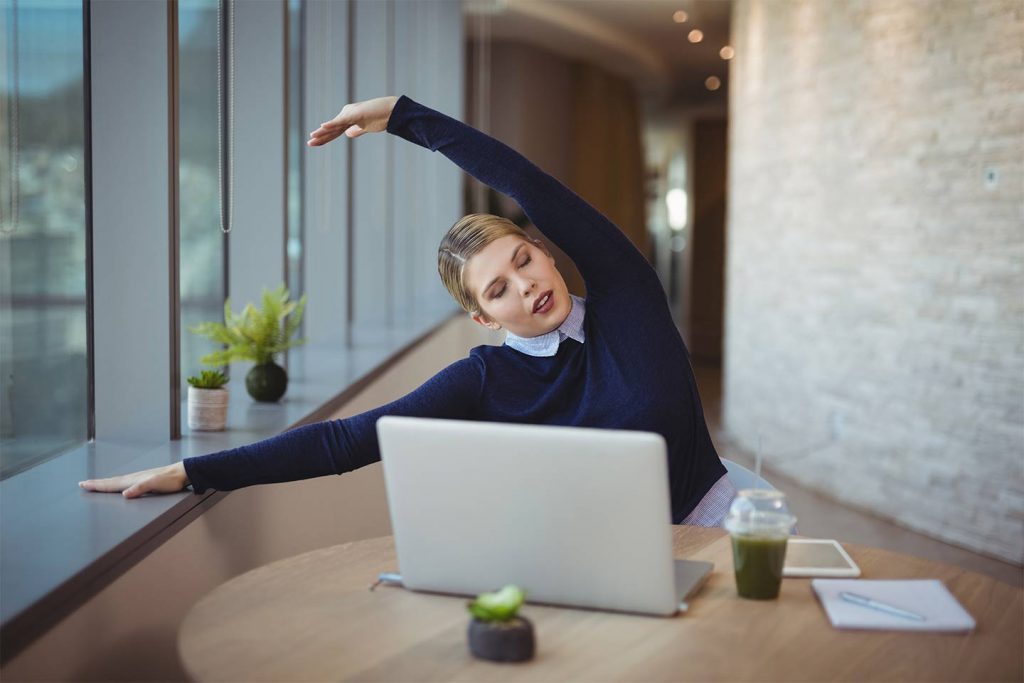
(614, 360)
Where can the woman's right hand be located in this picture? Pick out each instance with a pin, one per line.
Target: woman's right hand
(169, 479)
(369, 116)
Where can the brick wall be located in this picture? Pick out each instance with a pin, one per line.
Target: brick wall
(875, 268)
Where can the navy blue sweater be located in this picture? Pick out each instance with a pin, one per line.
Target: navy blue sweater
(633, 372)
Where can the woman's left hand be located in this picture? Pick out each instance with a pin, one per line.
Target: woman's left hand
(358, 118)
(167, 479)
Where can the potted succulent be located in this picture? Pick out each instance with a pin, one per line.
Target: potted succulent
(208, 401)
(496, 633)
(258, 336)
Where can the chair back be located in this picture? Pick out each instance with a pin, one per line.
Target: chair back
(742, 478)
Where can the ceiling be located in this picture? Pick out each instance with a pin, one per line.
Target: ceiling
(635, 38)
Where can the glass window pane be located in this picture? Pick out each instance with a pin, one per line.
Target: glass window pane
(296, 148)
(43, 354)
(202, 242)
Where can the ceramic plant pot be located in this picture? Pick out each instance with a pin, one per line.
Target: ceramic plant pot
(207, 409)
(266, 382)
(501, 641)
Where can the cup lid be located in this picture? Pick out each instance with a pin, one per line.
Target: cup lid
(759, 511)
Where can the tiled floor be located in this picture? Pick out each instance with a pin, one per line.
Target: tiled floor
(824, 518)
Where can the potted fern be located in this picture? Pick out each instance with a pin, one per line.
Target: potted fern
(496, 632)
(258, 336)
(208, 401)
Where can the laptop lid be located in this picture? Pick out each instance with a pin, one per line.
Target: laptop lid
(575, 516)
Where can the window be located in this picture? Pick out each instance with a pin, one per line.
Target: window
(296, 148)
(44, 382)
(200, 175)
(60, 374)
(88, 371)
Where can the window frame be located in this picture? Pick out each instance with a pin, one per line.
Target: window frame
(88, 540)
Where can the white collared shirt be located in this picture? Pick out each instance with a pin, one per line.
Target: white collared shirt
(547, 344)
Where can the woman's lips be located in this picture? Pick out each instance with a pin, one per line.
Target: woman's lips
(550, 295)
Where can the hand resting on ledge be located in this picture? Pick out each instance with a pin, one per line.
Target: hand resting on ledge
(168, 479)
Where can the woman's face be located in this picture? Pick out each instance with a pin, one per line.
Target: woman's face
(517, 287)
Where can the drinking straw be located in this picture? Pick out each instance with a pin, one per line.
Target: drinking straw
(757, 461)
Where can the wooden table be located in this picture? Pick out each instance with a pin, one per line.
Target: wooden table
(312, 618)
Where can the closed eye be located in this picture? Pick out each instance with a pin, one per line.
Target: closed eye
(525, 262)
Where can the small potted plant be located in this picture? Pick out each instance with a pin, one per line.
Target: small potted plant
(496, 633)
(208, 401)
(258, 336)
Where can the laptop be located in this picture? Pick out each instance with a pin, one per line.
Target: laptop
(574, 516)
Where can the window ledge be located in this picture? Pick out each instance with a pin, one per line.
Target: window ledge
(61, 545)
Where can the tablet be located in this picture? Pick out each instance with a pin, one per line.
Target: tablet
(818, 557)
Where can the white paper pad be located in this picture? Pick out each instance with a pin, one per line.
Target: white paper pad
(928, 597)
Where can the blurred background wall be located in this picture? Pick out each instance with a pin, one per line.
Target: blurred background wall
(575, 120)
(875, 277)
(833, 200)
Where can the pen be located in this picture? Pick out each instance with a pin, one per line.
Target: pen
(880, 606)
(389, 578)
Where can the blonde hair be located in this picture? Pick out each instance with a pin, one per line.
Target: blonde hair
(466, 238)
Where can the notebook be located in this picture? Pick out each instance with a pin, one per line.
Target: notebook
(928, 598)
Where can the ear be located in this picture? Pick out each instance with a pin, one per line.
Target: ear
(543, 247)
(540, 245)
(481, 319)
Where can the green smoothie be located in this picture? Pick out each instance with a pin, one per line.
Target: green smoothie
(758, 561)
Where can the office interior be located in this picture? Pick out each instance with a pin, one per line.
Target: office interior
(831, 193)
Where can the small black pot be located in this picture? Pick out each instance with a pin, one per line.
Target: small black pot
(502, 641)
(266, 382)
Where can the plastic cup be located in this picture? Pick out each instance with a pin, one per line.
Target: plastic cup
(759, 522)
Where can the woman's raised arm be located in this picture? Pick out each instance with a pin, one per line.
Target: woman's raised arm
(354, 120)
(606, 258)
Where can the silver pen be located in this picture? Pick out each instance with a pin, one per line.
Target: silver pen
(880, 606)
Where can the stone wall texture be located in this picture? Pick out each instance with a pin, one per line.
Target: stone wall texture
(875, 257)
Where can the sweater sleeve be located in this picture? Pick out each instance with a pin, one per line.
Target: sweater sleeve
(336, 446)
(606, 258)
